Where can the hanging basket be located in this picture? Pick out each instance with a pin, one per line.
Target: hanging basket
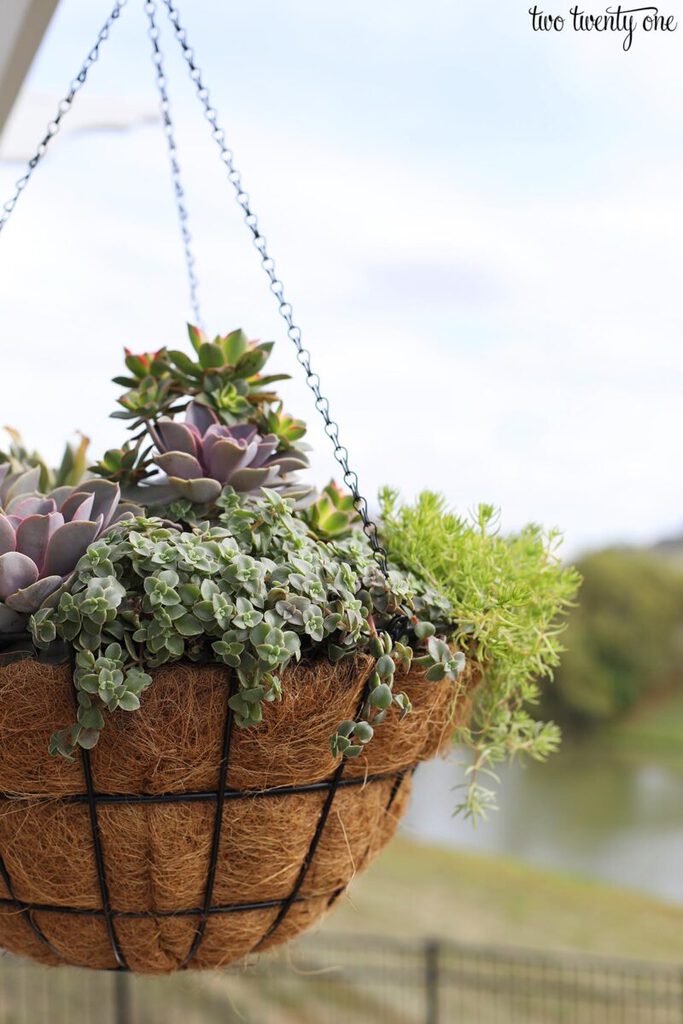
(180, 841)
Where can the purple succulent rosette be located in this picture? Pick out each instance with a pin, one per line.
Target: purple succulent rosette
(42, 537)
(201, 456)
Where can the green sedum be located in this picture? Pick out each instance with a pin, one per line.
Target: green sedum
(503, 600)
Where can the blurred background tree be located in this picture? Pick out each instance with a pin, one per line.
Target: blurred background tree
(624, 641)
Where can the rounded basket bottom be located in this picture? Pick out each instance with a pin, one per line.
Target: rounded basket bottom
(156, 857)
(109, 861)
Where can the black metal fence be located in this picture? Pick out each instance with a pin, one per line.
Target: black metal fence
(353, 979)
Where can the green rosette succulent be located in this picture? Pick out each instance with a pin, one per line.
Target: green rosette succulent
(333, 514)
(225, 376)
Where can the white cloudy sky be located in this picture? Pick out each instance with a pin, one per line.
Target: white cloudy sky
(480, 230)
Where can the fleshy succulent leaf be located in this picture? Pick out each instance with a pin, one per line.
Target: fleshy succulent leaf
(201, 491)
(174, 436)
(79, 505)
(200, 416)
(7, 535)
(179, 464)
(31, 504)
(107, 496)
(20, 483)
(68, 544)
(245, 480)
(29, 599)
(33, 535)
(16, 572)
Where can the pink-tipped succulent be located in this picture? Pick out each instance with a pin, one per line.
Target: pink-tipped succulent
(201, 456)
(42, 537)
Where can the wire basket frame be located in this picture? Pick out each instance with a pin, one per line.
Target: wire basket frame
(221, 795)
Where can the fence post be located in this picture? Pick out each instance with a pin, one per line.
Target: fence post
(123, 1013)
(431, 978)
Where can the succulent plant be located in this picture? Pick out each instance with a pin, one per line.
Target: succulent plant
(225, 377)
(42, 537)
(70, 470)
(254, 591)
(128, 465)
(201, 456)
(333, 515)
(286, 428)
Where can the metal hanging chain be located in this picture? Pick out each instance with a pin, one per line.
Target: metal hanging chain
(179, 192)
(341, 453)
(62, 109)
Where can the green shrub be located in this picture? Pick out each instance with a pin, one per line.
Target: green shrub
(625, 638)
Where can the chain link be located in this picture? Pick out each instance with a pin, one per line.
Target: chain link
(179, 192)
(341, 453)
(63, 108)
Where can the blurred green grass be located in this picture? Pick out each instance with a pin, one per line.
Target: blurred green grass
(656, 728)
(416, 889)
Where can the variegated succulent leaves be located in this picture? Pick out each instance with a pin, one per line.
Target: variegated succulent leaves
(253, 591)
(234, 433)
(42, 537)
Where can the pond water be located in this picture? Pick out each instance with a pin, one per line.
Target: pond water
(601, 816)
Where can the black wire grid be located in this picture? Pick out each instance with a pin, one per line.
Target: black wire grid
(222, 794)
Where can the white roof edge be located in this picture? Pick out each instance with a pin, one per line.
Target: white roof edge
(22, 27)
